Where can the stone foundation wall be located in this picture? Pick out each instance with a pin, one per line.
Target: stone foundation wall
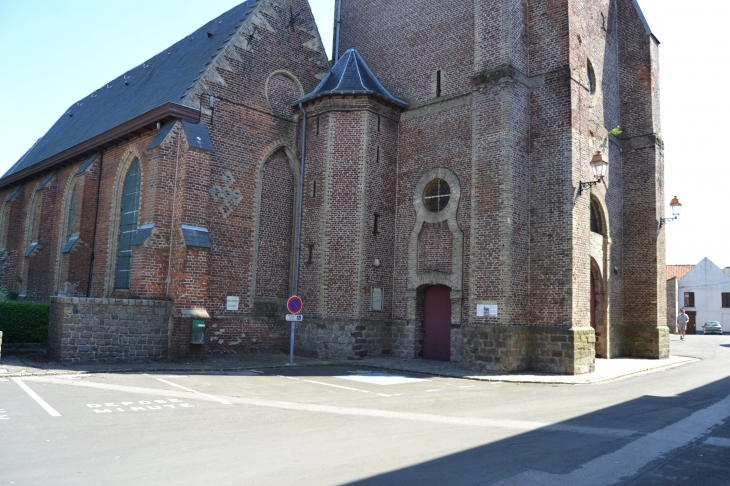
(645, 342)
(230, 335)
(407, 339)
(345, 338)
(85, 330)
(521, 348)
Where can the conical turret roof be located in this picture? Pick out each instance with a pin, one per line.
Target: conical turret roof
(351, 75)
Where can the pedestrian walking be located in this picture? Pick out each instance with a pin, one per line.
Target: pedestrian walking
(682, 321)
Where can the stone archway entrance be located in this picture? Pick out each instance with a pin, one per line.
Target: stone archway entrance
(437, 323)
(598, 311)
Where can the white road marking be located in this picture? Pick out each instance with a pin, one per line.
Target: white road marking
(2, 415)
(219, 400)
(521, 425)
(383, 379)
(602, 471)
(336, 386)
(713, 441)
(35, 397)
(434, 390)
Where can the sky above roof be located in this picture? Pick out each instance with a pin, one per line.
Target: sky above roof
(56, 52)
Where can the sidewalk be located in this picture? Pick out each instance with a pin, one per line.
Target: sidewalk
(606, 370)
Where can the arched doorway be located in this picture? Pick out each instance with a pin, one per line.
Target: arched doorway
(598, 312)
(437, 323)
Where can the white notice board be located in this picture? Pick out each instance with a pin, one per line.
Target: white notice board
(487, 308)
(232, 303)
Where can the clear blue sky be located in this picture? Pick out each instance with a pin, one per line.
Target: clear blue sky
(55, 52)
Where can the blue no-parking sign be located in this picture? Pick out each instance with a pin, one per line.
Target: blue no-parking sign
(294, 304)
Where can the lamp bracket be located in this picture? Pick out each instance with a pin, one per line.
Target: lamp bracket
(663, 221)
(587, 185)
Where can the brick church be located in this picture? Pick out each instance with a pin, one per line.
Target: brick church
(435, 191)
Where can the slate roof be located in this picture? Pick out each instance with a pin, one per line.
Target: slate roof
(643, 20)
(351, 75)
(165, 78)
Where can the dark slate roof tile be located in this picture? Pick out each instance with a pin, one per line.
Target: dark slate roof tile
(13, 194)
(198, 136)
(163, 79)
(45, 181)
(86, 164)
(70, 244)
(195, 236)
(142, 234)
(30, 249)
(161, 135)
(351, 75)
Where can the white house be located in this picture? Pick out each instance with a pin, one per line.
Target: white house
(704, 293)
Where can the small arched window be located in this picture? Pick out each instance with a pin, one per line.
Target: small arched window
(71, 208)
(128, 224)
(591, 78)
(596, 225)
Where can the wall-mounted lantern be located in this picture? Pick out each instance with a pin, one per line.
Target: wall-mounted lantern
(676, 210)
(599, 166)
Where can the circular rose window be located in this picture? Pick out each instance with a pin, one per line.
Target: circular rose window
(436, 195)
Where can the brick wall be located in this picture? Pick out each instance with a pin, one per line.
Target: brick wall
(92, 330)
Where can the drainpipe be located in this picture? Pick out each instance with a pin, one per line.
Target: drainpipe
(338, 22)
(96, 221)
(299, 226)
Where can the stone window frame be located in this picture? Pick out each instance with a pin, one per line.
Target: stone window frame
(71, 186)
(294, 166)
(130, 155)
(418, 280)
(31, 222)
(4, 210)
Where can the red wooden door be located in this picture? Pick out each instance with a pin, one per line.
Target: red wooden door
(437, 323)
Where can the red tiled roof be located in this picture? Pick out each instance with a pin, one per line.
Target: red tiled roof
(678, 271)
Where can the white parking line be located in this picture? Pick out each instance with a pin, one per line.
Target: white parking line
(35, 397)
(219, 400)
(336, 386)
(718, 441)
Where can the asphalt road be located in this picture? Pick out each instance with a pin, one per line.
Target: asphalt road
(348, 425)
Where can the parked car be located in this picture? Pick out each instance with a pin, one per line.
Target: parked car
(712, 327)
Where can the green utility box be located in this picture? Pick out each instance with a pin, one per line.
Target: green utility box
(197, 333)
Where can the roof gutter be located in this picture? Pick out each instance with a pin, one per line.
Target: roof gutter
(110, 137)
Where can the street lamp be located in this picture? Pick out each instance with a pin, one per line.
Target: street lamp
(599, 166)
(676, 210)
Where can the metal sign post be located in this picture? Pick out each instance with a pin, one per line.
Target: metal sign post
(294, 305)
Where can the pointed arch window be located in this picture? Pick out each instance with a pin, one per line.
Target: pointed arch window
(71, 208)
(128, 224)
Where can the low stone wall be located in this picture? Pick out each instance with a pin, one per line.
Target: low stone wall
(230, 335)
(344, 338)
(108, 330)
(513, 349)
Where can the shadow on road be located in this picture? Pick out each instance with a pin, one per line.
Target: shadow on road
(557, 450)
